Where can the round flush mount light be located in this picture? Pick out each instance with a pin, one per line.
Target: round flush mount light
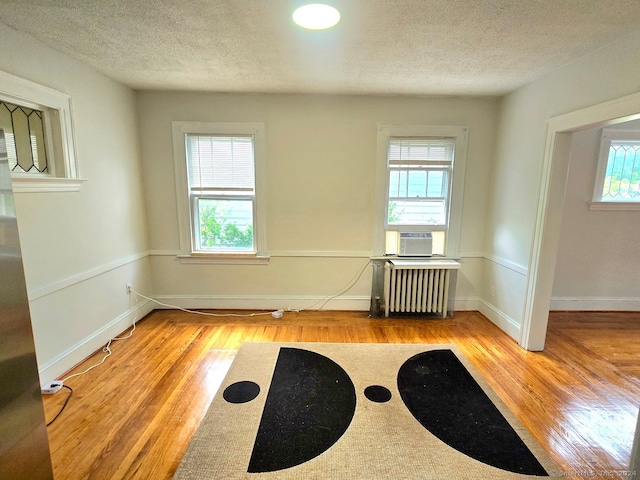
(316, 16)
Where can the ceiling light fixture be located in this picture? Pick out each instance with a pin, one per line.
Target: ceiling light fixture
(316, 16)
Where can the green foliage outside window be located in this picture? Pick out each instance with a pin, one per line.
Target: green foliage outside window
(217, 231)
(622, 177)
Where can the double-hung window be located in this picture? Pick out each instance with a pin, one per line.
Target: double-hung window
(419, 181)
(222, 192)
(418, 194)
(617, 184)
(220, 205)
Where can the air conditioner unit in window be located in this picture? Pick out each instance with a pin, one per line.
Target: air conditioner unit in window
(415, 244)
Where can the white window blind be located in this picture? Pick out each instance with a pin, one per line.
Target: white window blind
(421, 151)
(220, 163)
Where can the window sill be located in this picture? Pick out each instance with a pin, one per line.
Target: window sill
(45, 184)
(224, 259)
(611, 206)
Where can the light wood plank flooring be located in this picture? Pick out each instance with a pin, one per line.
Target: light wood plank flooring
(133, 417)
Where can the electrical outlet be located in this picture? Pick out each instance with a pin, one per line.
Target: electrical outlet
(128, 288)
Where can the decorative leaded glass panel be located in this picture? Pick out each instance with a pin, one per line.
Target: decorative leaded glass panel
(24, 134)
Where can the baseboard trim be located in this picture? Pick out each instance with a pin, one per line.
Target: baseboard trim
(625, 304)
(284, 302)
(78, 352)
(468, 304)
(507, 324)
(265, 302)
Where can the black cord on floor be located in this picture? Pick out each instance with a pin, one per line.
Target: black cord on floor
(64, 405)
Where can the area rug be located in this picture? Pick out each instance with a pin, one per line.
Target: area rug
(358, 411)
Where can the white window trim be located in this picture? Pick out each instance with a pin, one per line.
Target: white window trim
(60, 140)
(597, 203)
(385, 132)
(187, 252)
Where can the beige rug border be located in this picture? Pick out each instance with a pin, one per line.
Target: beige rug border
(210, 457)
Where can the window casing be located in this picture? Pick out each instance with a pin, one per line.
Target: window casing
(617, 183)
(220, 186)
(39, 133)
(419, 186)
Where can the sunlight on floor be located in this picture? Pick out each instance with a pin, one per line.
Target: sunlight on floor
(217, 369)
(610, 429)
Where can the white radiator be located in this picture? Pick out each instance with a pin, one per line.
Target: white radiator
(417, 286)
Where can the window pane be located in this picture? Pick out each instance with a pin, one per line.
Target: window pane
(436, 183)
(394, 182)
(417, 183)
(402, 184)
(24, 133)
(399, 183)
(622, 176)
(225, 224)
(409, 212)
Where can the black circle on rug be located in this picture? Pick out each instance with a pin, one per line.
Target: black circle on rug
(377, 393)
(241, 392)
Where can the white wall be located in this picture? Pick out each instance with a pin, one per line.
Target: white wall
(321, 153)
(610, 73)
(81, 248)
(598, 262)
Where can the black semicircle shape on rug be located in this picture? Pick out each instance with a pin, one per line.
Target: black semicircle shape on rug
(443, 396)
(310, 404)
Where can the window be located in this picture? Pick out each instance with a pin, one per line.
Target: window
(222, 192)
(219, 167)
(617, 184)
(38, 129)
(419, 174)
(417, 190)
(24, 135)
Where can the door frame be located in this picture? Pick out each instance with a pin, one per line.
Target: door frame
(555, 168)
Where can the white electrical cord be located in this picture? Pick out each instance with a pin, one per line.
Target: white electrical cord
(107, 348)
(275, 314)
(208, 314)
(341, 291)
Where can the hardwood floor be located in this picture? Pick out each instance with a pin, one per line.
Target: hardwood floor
(133, 416)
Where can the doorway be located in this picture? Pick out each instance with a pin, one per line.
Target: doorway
(542, 263)
(597, 264)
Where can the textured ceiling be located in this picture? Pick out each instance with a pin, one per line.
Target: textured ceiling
(434, 47)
